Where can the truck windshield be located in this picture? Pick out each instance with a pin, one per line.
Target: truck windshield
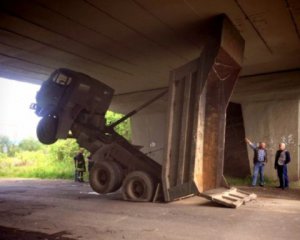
(61, 79)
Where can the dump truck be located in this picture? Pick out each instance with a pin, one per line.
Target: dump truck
(73, 104)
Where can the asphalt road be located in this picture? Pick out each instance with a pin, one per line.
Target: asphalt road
(43, 209)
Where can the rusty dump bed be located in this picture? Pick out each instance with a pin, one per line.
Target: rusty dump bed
(74, 105)
(199, 93)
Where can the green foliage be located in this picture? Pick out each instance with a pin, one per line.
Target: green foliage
(124, 128)
(29, 144)
(4, 142)
(7, 146)
(63, 150)
(35, 164)
(43, 163)
(32, 159)
(233, 181)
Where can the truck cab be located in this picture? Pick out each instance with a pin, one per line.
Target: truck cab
(67, 97)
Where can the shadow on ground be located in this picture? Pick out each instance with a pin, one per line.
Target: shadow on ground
(17, 234)
(273, 192)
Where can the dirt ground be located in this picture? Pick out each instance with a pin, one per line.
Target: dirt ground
(43, 209)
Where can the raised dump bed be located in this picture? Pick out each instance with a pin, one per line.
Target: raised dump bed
(73, 105)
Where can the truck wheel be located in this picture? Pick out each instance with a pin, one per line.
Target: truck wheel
(138, 186)
(46, 129)
(106, 177)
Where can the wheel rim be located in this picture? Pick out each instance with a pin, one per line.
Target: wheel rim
(138, 188)
(103, 177)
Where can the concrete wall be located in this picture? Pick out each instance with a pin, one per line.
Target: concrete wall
(149, 125)
(274, 122)
(149, 131)
(270, 104)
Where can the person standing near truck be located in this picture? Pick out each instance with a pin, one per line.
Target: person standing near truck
(259, 161)
(80, 168)
(282, 158)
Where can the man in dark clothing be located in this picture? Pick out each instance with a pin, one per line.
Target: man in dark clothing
(259, 161)
(282, 158)
(79, 166)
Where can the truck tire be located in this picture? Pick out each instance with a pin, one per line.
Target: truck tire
(46, 129)
(138, 186)
(106, 177)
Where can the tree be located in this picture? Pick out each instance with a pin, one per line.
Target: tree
(124, 128)
(29, 144)
(63, 150)
(7, 146)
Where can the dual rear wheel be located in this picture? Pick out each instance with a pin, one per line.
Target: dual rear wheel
(108, 176)
(138, 186)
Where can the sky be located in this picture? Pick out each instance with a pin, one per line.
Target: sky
(17, 120)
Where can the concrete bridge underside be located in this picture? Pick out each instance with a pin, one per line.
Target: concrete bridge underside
(133, 45)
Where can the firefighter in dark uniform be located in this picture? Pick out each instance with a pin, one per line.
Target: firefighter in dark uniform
(79, 162)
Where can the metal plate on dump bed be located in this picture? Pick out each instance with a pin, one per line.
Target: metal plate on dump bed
(232, 197)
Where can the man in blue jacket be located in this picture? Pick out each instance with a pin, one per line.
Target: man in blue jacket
(282, 158)
(259, 161)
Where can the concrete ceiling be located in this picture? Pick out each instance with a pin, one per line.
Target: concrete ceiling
(133, 44)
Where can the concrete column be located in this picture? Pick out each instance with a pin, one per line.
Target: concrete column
(236, 160)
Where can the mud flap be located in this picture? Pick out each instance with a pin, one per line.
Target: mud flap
(232, 197)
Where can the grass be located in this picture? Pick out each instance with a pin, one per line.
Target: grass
(295, 184)
(247, 181)
(36, 165)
